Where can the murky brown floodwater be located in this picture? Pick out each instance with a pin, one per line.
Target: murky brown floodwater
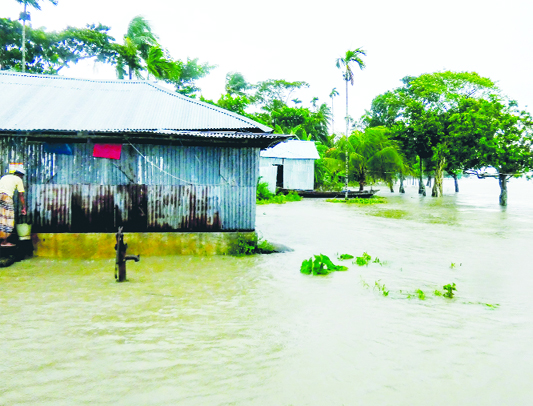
(254, 331)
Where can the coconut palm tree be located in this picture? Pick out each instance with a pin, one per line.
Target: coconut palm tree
(161, 66)
(333, 94)
(313, 102)
(345, 63)
(372, 156)
(138, 41)
(25, 16)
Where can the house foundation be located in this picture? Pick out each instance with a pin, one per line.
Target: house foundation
(102, 245)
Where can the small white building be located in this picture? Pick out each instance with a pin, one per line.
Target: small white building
(289, 165)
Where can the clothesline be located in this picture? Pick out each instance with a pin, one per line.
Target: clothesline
(169, 174)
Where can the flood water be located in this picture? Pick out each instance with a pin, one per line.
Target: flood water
(255, 331)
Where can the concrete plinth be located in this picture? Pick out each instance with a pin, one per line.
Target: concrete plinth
(101, 245)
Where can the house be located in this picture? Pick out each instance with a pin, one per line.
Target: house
(289, 165)
(103, 154)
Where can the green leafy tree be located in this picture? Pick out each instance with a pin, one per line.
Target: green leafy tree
(235, 103)
(236, 84)
(49, 52)
(304, 123)
(345, 63)
(275, 93)
(191, 71)
(418, 114)
(501, 136)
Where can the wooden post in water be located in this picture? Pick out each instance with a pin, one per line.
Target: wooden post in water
(121, 257)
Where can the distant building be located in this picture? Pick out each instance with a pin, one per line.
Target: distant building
(289, 165)
(101, 154)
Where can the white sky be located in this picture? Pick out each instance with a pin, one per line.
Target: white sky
(300, 40)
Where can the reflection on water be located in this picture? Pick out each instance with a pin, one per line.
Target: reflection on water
(254, 331)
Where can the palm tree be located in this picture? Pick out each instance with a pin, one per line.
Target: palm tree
(161, 66)
(372, 156)
(351, 57)
(313, 102)
(138, 41)
(25, 16)
(333, 94)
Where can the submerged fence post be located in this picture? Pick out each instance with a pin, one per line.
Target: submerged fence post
(121, 257)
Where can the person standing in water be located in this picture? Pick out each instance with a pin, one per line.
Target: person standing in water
(8, 184)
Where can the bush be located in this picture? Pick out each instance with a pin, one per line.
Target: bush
(264, 196)
(243, 245)
(262, 191)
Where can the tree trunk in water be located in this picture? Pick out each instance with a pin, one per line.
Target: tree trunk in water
(421, 188)
(429, 181)
(503, 189)
(401, 189)
(437, 184)
(455, 181)
(391, 186)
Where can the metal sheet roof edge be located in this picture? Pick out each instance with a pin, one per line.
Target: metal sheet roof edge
(155, 85)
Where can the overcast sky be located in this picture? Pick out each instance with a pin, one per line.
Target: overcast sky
(300, 40)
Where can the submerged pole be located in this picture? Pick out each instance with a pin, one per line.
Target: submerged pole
(121, 257)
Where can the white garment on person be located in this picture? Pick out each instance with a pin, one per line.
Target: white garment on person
(10, 183)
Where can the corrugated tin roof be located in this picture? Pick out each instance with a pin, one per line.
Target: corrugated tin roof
(294, 149)
(55, 103)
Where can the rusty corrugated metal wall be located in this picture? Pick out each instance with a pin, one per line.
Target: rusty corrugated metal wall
(151, 188)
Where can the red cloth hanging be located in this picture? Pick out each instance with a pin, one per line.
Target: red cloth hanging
(111, 151)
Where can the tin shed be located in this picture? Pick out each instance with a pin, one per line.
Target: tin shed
(289, 165)
(107, 153)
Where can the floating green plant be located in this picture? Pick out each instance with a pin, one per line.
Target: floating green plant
(492, 306)
(489, 305)
(365, 285)
(363, 260)
(344, 257)
(449, 290)
(321, 265)
(452, 265)
(377, 261)
(381, 287)
(438, 292)
(418, 293)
